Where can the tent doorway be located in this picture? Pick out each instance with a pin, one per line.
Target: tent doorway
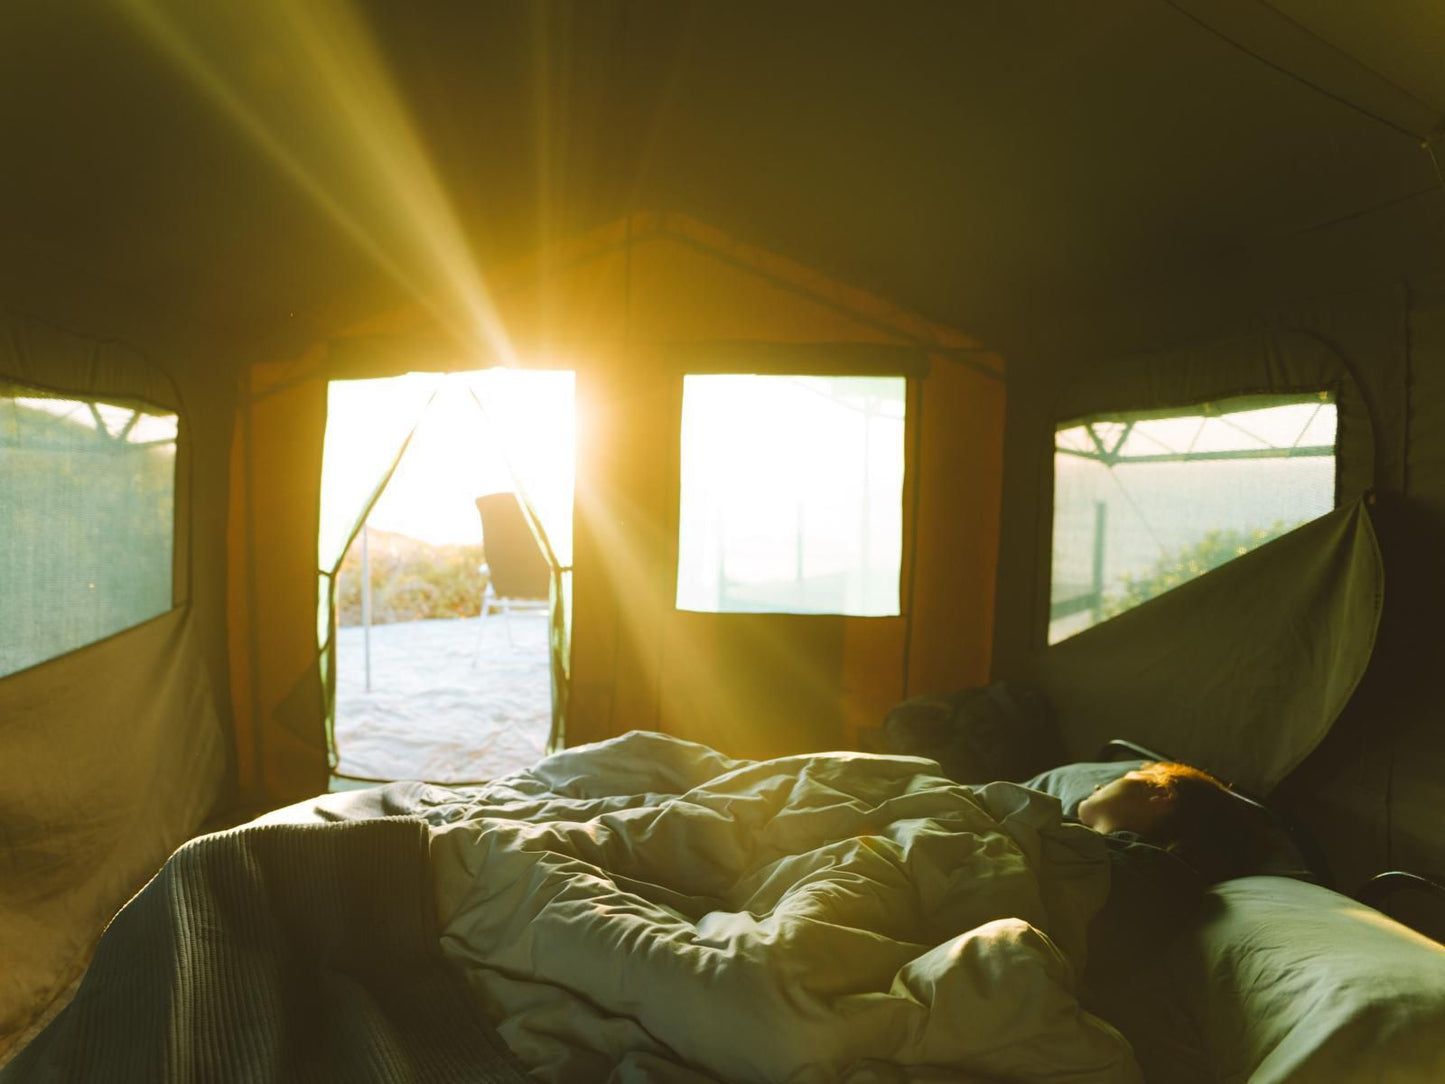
(440, 668)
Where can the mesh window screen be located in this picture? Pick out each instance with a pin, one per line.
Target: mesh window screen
(87, 506)
(1146, 501)
(791, 494)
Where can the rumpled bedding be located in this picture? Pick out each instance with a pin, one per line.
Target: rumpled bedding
(647, 909)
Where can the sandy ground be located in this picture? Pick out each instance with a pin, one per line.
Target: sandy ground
(440, 709)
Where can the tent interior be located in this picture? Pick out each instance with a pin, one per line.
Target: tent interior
(1028, 217)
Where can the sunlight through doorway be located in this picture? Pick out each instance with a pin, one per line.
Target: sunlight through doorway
(434, 679)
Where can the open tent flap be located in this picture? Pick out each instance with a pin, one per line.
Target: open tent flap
(509, 415)
(1241, 671)
(392, 410)
(1244, 669)
(371, 455)
(382, 417)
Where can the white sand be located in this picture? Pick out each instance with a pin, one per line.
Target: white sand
(439, 709)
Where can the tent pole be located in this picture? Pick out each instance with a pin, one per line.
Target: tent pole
(366, 598)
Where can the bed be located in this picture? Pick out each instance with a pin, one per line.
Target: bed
(647, 909)
(1271, 978)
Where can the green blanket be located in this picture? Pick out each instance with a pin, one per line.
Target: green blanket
(276, 952)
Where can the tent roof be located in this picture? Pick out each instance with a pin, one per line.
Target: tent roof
(539, 279)
(977, 162)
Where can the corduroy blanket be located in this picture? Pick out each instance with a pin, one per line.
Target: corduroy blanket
(276, 952)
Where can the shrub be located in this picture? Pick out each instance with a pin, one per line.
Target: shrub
(410, 581)
(1215, 548)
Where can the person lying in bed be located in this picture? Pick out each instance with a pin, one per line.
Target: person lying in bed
(1179, 808)
(1172, 830)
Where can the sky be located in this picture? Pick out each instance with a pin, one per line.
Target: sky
(475, 430)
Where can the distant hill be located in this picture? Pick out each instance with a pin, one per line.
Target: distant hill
(391, 543)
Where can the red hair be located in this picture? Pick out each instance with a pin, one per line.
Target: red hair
(1204, 823)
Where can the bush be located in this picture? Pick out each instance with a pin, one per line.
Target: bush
(410, 581)
(1215, 548)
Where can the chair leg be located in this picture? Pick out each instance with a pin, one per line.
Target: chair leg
(507, 620)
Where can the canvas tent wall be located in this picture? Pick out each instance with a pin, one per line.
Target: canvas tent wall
(632, 307)
(1354, 262)
(1245, 669)
(113, 751)
(1372, 789)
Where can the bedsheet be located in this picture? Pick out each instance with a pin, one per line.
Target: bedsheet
(647, 909)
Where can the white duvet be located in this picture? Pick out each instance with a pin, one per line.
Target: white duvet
(647, 909)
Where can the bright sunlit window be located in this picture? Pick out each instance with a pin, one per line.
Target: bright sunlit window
(791, 494)
(1146, 501)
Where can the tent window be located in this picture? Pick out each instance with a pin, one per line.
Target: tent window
(791, 496)
(1148, 500)
(87, 510)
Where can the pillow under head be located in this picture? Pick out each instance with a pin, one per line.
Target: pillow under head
(1072, 783)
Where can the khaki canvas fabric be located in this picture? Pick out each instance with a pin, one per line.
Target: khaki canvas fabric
(1241, 671)
(113, 753)
(632, 308)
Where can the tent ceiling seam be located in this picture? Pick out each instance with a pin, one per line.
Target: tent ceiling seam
(1356, 61)
(1282, 70)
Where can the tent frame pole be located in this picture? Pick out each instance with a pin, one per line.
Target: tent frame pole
(366, 599)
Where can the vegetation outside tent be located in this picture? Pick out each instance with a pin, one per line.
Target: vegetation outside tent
(411, 580)
(1212, 550)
